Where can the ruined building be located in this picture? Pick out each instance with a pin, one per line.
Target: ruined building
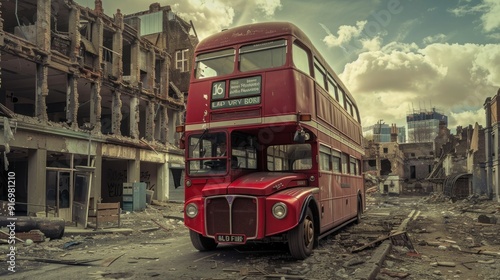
(492, 146)
(459, 163)
(384, 163)
(89, 102)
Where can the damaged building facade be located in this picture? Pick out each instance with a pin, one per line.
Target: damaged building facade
(492, 145)
(384, 163)
(436, 160)
(92, 102)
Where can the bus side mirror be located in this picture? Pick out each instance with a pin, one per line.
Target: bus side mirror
(182, 142)
(180, 129)
(300, 136)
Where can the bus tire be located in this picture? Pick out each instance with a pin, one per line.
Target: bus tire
(202, 243)
(301, 238)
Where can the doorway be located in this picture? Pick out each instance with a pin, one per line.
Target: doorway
(59, 193)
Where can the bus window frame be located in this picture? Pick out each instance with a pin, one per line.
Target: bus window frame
(331, 82)
(320, 70)
(287, 164)
(336, 154)
(215, 139)
(200, 58)
(325, 151)
(271, 46)
(298, 44)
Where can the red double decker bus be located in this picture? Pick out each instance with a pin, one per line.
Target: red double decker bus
(272, 142)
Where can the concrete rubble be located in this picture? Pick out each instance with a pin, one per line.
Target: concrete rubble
(438, 240)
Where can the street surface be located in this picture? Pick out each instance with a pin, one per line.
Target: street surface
(437, 239)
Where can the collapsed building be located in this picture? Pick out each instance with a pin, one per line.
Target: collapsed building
(90, 102)
(453, 164)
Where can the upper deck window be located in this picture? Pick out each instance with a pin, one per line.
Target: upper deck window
(300, 58)
(332, 88)
(214, 64)
(319, 73)
(262, 55)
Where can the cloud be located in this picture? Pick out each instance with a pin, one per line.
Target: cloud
(490, 10)
(451, 77)
(438, 38)
(491, 18)
(373, 44)
(208, 16)
(344, 35)
(212, 16)
(268, 6)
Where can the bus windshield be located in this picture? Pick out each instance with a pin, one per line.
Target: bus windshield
(214, 64)
(207, 153)
(262, 55)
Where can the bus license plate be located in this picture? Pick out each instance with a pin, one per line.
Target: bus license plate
(230, 238)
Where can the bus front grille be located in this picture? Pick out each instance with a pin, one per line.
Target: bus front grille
(231, 215)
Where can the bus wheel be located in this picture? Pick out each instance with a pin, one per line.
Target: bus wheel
(202, 243)
(301, 238)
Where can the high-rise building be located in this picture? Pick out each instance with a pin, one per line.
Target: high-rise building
(423, 125)
(381, 133)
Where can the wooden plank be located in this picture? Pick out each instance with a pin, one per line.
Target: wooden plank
(379, 240)
(107, 262)
(108, 212)
(112, 212)
(111, 205)
(68, 262)
(35, 235)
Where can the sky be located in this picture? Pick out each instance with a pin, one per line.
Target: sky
(395, 56)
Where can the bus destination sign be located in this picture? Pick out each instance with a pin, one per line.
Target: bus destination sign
(247, 101)
(245, 86)
(248, 89)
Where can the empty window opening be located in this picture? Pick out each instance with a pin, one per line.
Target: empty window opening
(18, 88)
(57, 98)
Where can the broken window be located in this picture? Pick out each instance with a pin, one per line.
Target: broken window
(385, 167)
(142, 118)
(84, 88)
(56, 100)
(159, 133)
(107, 53)
(18, 84)
(88, 51)
(125, 111)
(106, 110)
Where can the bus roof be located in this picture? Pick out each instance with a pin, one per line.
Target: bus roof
(251, 32)
(260, 31)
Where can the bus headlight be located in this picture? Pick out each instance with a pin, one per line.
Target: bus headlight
(279, 210)
(191, 210)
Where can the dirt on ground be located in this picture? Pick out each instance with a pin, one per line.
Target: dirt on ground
(158, 221)
(433, 238)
